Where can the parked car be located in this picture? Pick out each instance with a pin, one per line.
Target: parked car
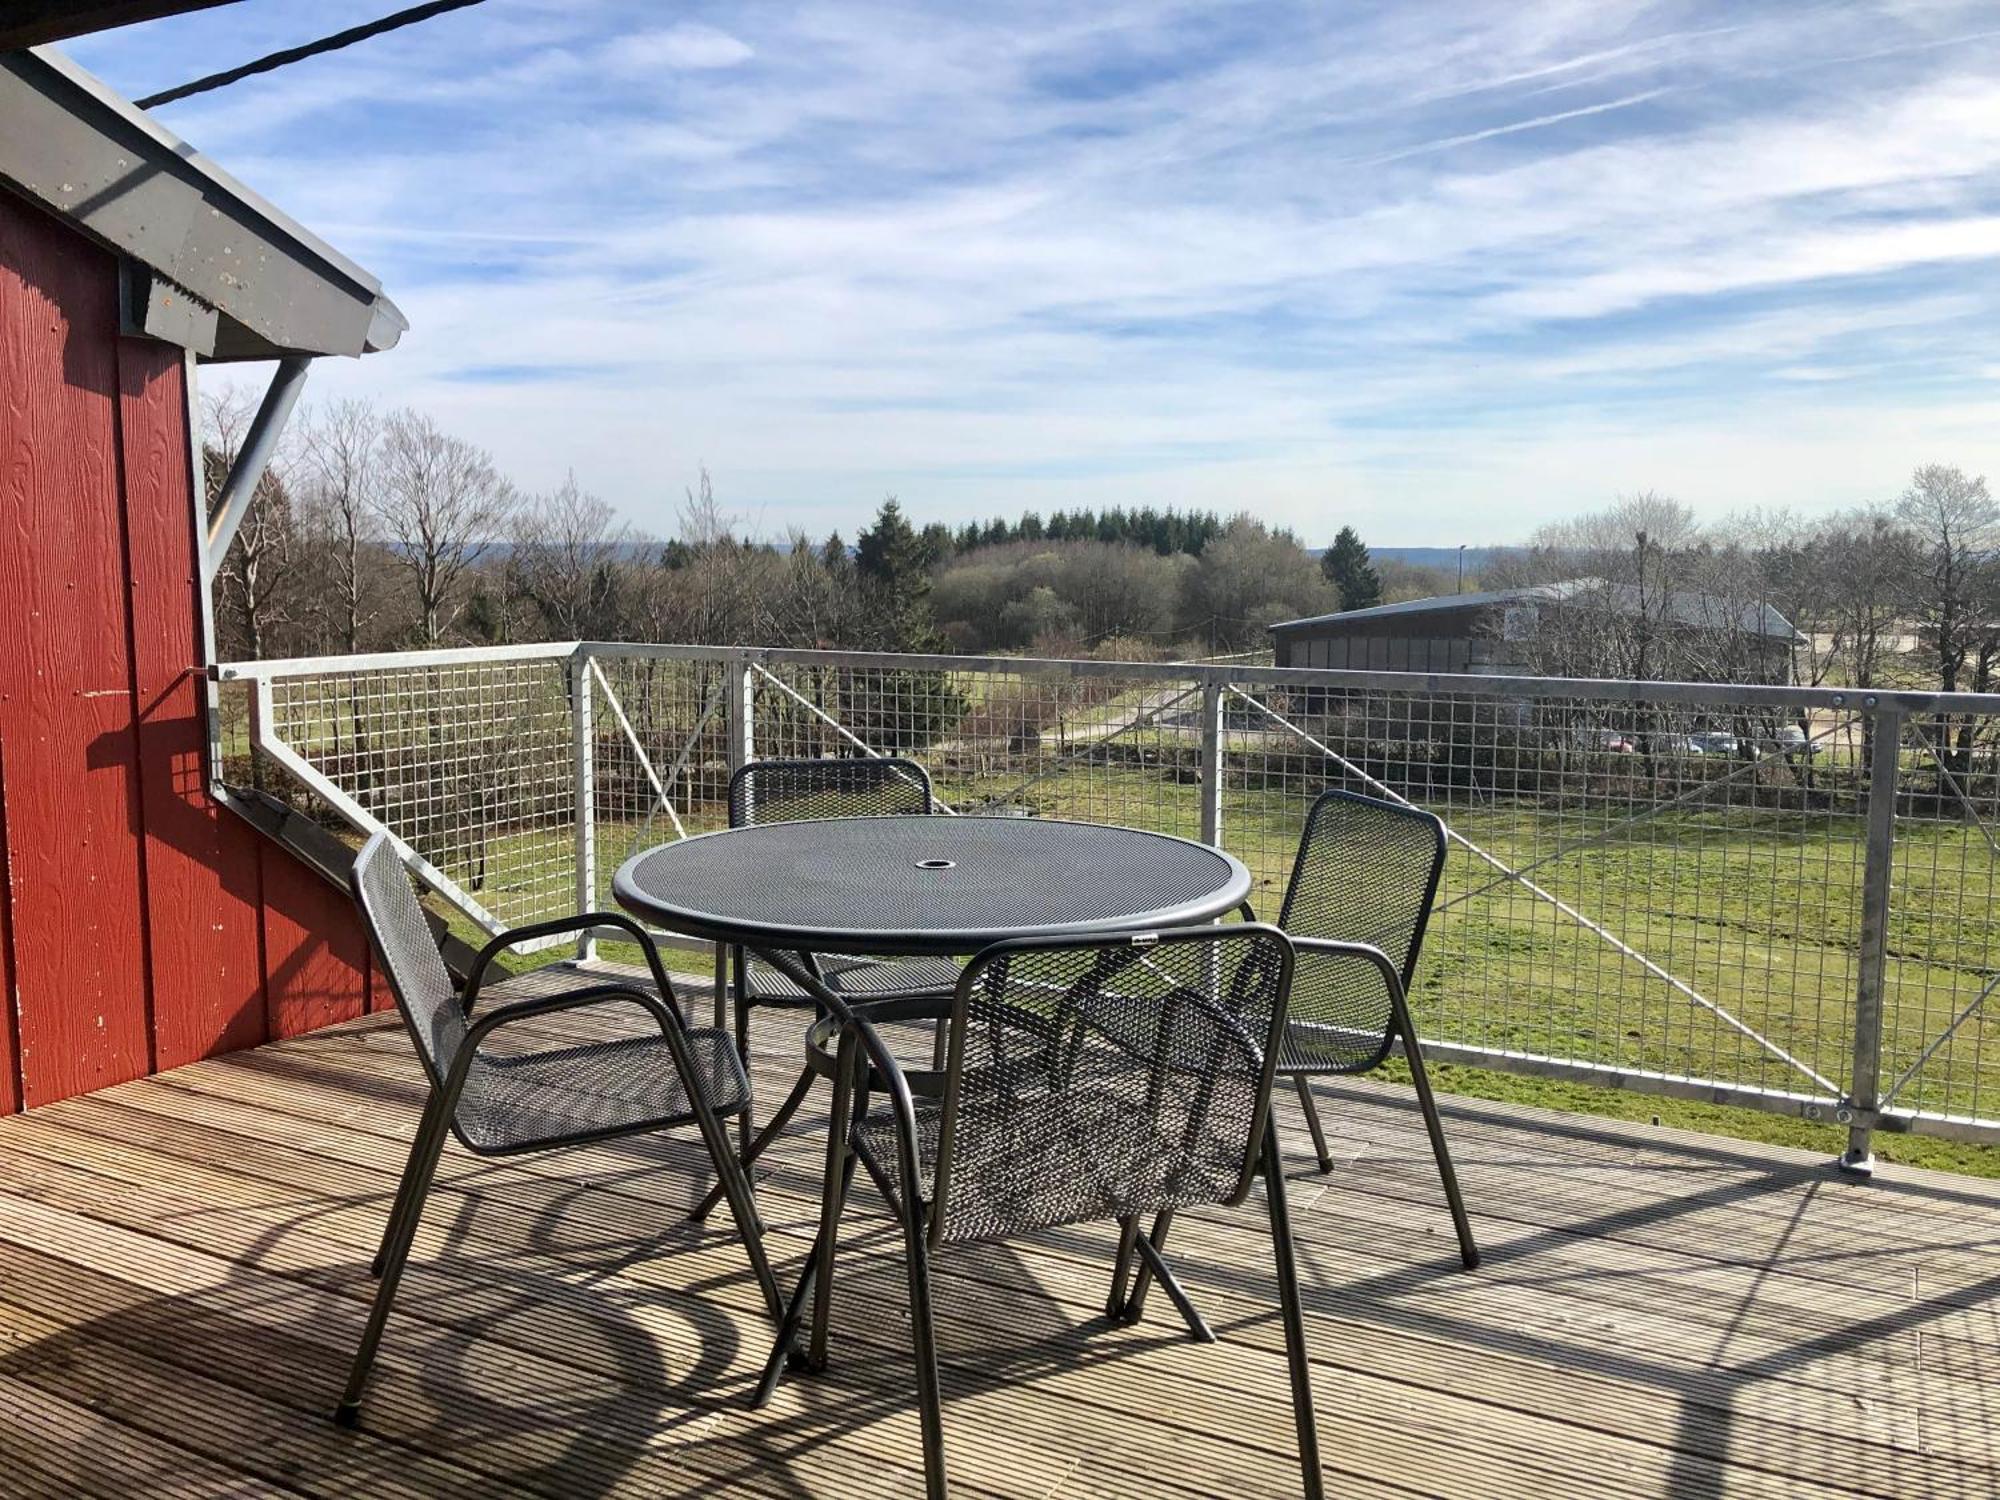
(1611, 741)
(1790, 739)
(1714, 742)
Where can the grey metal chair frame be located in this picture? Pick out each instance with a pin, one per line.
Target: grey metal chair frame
(1395, 980)
(441, 1110)
(865, 1063)
(736, 972)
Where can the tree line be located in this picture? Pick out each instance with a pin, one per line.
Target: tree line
(379, 530)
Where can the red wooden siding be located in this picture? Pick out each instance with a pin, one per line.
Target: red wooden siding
(140, 925)
(200, 862)
(65, 674)
(315, 958)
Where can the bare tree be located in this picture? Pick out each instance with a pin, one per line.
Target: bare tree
(442, 504)
(712, 587)
(567, 549)
(1791, 562)
(816, 595)
(1247, 578)
(256, 573)
(1870, 558)
(340, 507)
(1954, 526)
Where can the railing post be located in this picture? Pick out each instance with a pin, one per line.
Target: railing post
(584, 751)
(740, 693)
(1211, 762)
(1864, 1090)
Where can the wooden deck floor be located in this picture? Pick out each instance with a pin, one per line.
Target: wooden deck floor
(182, 1277)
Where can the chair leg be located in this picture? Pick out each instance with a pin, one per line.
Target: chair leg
(417, 1176)
(788, 1330)
(1468, 1251)
(1176, 1294)
(1135, 1305)
(771, 1131)
(400, 1207)
(782, 1351)
(739, 988)
(1304, 1087)
(842, 1153)
(1121, 1270)
(923, 1338)
(735, 1186)
(1294, 1319)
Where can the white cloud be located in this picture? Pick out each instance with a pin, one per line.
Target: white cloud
(1424, 268)
(686, 45)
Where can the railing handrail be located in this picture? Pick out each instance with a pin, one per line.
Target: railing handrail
(1473, 684)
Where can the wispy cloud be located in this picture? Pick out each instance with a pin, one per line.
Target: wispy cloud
(1435, 270)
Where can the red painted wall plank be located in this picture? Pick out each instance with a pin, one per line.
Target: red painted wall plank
(10, 1072)
(66, 720)
(200, 863)
(315, 957)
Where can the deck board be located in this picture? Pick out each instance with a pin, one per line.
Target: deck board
(183, 1273)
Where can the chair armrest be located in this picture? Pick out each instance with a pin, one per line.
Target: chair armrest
(578, 923)
(1367, 952)
(546, 1005)
(1392, 977)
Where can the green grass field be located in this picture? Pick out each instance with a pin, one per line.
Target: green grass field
(1757, 912)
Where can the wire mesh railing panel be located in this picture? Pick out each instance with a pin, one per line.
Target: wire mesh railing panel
(1632, 886)
(1100, 748)
(659, 753)
(468, 762)
(1656, 885)
(1943, 938)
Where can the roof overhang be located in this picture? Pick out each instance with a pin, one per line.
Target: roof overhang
(29, 23)
(211, 265)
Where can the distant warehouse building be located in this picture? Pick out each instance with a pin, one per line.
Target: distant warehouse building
(1583, 627)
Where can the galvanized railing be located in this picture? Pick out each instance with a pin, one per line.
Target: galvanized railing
(1781, 898)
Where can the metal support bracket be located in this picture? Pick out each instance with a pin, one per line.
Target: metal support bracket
(259, 443)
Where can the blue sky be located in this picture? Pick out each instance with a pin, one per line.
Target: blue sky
(1443, 271)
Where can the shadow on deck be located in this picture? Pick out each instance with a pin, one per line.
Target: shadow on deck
(183, 1274)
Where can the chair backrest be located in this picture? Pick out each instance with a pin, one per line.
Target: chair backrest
(409, 955)
(1099, 1078)
(799, 791)
(1367, 872)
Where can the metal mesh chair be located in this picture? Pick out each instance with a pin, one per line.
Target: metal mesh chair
(504, 1102)
(1367, 873)
(798, 791)
(1084, 1080)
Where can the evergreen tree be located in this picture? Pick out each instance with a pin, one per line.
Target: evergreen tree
(937, 543)
(895, 569)
(1347, 568)
(897, 711)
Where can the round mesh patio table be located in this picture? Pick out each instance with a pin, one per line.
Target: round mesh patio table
(914, 886)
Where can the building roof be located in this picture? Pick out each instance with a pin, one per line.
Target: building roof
(219, 270)
(29, 23)
(1683, 606)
